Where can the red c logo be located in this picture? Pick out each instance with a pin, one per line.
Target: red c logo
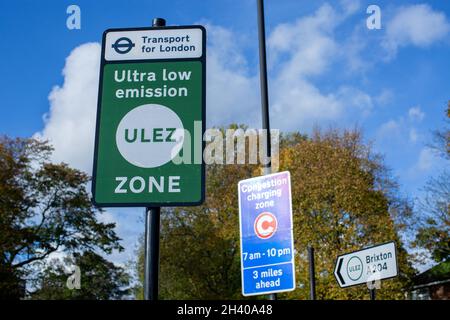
(265, 225)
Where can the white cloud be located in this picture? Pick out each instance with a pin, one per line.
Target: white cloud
(231, 95)
(298, 52)
(389, 130)
(402, 129)
(106, 217)
(70, 127)
(416, 114)
(417, 25)
(386, 96)
(304, 50)
(350, 6)
(308, 42)
(426, 159)
(427, 162)
(70, 123)
(413, 135)
(129, 227)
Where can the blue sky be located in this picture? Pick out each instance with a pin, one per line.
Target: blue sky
(325, 68)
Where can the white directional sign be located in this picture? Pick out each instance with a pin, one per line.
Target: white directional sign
(367, 265)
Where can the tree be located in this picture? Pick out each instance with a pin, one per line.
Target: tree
(343, 199)
(434, 231)
(99, 279)
(441, 138)
(199, 251)
(44, 208)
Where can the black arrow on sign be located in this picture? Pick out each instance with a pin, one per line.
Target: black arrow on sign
(338, 270)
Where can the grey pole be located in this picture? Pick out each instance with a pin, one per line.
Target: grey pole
(264, 93)
(372, 294)
(151, 267)
(263, 84)
(152, 225)
(312, 274)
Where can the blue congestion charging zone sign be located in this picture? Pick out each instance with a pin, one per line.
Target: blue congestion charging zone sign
(267, 242)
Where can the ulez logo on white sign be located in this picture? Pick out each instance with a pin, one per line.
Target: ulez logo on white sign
(150, 135)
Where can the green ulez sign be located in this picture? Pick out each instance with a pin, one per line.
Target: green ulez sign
(150, 118)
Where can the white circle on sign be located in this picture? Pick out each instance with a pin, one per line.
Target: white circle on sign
(150, 135)
(265, 225)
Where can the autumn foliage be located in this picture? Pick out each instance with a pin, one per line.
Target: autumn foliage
(343, 200)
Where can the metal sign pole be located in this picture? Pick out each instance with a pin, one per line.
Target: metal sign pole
(264, 93)
(152, 225)
(263, 84)
(312, 275)
(372, 294)
(151, 268)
